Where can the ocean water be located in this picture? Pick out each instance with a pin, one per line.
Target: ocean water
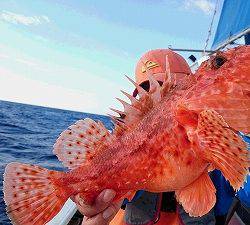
(27, 134)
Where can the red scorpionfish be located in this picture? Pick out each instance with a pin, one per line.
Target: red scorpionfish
(168, 140)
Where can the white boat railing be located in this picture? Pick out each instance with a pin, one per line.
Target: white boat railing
(65, 214)
(195, 65)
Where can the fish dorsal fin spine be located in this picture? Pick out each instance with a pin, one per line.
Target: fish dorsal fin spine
(80, 141)
(140, 106)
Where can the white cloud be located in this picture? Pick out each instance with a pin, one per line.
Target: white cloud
(15, 18)
(204, 5)
(26, 62)
(18, 88)
(77, 89)
(17, 59)
(46, 18)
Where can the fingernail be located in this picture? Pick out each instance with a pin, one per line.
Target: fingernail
(108, 195)
(108, 213)
(81, 202)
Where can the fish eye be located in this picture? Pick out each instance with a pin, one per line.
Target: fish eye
(218, 61)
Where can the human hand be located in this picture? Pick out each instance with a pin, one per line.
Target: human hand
(102, 211)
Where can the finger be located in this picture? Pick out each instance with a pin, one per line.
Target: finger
(110, 212)
(104, 217)
(102, 201)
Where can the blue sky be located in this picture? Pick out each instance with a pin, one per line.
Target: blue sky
(74, 54)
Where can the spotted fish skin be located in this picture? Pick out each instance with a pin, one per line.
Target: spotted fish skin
(226, 89)
(167, 140)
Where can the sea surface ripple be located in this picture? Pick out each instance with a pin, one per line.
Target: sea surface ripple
(27, 135)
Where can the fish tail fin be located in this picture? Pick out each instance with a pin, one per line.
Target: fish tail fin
(31, 195)
(220, 145)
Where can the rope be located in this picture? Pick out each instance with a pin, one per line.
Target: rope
(210, 27)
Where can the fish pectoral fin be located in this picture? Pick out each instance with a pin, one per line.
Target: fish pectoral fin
(80, 142)
(198, 198)
(221, 146)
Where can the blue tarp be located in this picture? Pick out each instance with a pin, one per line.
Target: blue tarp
(234, 19)
(244, 193)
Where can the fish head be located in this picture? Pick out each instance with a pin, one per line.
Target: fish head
(235, 61)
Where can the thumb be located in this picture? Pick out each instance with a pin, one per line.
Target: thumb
(104, 217)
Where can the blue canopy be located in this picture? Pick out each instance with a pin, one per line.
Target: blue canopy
(234, 20)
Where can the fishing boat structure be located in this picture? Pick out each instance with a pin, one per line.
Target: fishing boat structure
(233, 25)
